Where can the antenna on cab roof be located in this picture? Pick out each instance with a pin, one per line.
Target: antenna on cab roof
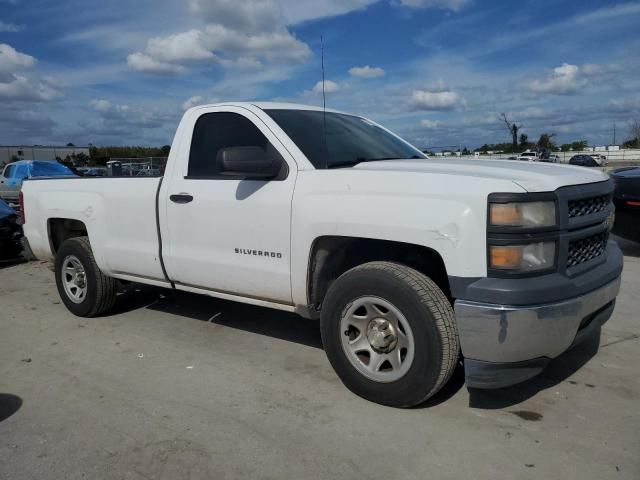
(324, 105)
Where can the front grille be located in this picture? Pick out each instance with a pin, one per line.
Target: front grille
(585, 249)
(587, 206)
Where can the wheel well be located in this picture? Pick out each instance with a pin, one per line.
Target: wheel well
(61, 229)
(332, 256)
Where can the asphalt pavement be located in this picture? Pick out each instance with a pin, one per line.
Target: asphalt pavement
(175, 386)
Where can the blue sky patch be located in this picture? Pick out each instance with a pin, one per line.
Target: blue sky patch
(438, 72)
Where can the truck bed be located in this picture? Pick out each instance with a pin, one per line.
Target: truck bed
(111, 208)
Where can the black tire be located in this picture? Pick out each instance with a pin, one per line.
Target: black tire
(430, 318)
(101, 290)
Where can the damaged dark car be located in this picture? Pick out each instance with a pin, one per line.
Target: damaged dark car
(626, 198)
(10, 232)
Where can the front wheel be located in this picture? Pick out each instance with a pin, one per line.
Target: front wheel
(389, 333)
(84, 289)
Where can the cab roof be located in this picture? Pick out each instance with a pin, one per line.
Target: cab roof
(270, 106)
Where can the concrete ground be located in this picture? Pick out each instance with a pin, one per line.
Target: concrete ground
(174, 385)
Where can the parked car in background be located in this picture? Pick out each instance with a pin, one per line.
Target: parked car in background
(93, 171)
(626, 198)
(15, 173)
(528, 156)
(583, 161)
(550, 158)
(10, 232)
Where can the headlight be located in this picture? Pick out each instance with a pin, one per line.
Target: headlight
(522, 214)
(522, 258)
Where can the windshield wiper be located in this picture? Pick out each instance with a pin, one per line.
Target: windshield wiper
(358, 160)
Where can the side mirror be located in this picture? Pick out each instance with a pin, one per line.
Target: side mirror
(249, 162)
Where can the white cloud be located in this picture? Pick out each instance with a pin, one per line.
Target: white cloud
(100, 105)
(246, 15)
(237, 35)
(426, 100)
(563, 80)
(297, 11)
(596, 70)
(9, 27)
(531, 113)
(607, 13)
(272, 46)
(20, 88)
(12, 61)
(121, 118)
(192, 102)
(329, 87)
(20, 123)
(144, 63)
(430, 124)
(454, 5)
(17, 87)
(367, 72)
(181, 47)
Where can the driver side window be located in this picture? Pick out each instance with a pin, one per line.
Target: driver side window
(215, 131)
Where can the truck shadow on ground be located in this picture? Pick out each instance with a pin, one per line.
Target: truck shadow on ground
(558, 370)
(9, 404)
(293, 328)
(262, 321)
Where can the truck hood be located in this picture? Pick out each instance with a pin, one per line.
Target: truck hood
(532, 176)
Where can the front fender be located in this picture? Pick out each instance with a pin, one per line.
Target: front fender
(414, 209)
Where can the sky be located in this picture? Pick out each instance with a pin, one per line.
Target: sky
(438, 72)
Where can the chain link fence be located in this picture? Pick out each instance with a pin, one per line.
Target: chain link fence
(137, 167)
(613, 158)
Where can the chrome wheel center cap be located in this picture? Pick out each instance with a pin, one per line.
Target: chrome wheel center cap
(381, 335)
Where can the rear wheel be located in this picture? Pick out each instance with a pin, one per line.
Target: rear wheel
(389, 333)
(84, 289)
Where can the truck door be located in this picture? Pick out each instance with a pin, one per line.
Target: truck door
(222, 233)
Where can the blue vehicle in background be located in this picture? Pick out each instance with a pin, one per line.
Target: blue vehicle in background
(15, 173)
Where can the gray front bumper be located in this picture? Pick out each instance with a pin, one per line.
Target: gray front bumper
(502, 334)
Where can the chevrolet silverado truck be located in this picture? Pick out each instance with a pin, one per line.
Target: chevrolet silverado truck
(410, 264)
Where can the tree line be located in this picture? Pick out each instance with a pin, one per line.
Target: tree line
(99, 156)
(546, 144)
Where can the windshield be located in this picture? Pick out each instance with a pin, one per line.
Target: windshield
(49, 169)
(347, 139)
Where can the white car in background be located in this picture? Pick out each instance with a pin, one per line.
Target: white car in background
(550, 158)
(528, 156)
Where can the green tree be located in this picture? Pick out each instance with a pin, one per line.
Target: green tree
(565, 147)
(545, 142)
(634, 135)
(579, 145)
(524, 141)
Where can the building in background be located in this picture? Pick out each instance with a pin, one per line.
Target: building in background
(38, 152)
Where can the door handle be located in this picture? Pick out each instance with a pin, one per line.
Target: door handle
(181, 198)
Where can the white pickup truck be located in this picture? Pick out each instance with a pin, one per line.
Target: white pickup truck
(411, 264)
